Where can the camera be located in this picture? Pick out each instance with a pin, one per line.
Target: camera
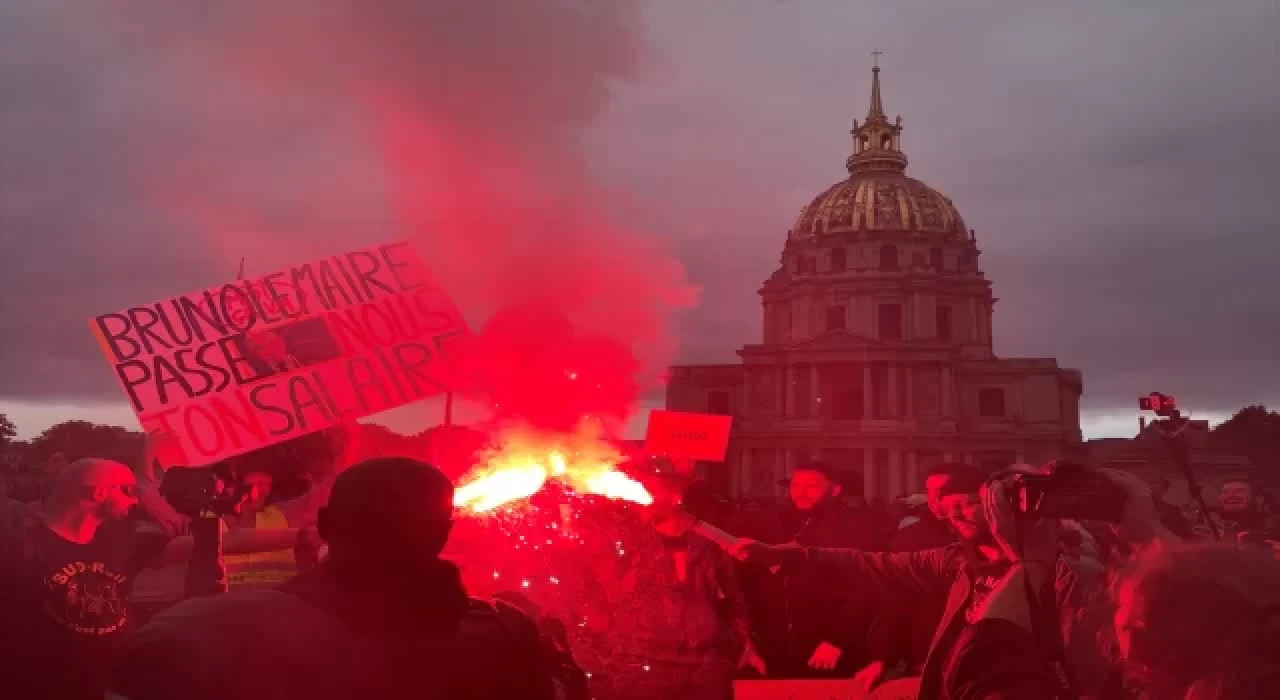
(206, 495)
(203, 491)
(1162, 405)
(1069, 490)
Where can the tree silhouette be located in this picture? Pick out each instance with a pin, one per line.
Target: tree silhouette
(1253, 432)
(8, 431)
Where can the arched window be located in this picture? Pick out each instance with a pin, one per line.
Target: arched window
(888, 257)
(886, 143)
(935, 259)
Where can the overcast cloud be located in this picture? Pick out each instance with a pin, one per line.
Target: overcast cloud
(1119, 160)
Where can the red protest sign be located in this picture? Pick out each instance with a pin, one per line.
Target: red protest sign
(698, 436)
(250, 363)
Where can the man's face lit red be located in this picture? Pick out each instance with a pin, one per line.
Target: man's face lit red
(809, 488)
(933, 494)
(1235, 496)
(964, 513)
(258, 487)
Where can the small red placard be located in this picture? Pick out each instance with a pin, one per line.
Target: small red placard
(699, 436)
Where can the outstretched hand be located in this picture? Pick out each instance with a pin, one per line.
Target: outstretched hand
(753, 552)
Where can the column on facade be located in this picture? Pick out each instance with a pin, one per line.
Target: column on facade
(780, 389)
(915, 480)
(895, 410)
(869, 480)
(782, 468)
(746, 409)
(950, 409)
(740, 483)
(909, 411)
(895, 475)
(867, 398)
(789, 380)
(976, 322)
(815, 393)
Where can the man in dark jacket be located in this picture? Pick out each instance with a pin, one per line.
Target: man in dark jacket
(812, 627)
(965, 572)
(382, 617)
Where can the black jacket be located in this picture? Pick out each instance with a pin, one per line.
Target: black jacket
(288, 643)
(796, 610)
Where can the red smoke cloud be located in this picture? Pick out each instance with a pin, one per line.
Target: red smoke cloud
(454, 123)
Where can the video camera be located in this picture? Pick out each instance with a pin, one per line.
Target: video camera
(1161, 404)
(203, 491)
(1069, 490)
(206, 495)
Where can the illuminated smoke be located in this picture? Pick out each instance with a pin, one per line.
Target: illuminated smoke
(300, 127)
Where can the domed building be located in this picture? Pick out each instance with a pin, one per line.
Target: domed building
(877, 353)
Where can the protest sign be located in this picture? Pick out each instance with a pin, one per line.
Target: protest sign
(255, 362)
(696, 436)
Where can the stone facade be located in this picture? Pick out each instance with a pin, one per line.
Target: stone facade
(876, 353)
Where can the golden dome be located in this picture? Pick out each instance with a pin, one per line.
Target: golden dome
(878, 196)
(881, 202)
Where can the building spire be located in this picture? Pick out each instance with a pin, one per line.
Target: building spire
(877, 142)
(877, 107)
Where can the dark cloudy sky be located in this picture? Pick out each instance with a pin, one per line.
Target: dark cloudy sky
(1118, 158)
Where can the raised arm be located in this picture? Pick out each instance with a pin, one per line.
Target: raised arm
(885, 574)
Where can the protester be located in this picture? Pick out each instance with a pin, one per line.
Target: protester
(810, 628)
(903, 629)
(1240, 514)
(678, 622)
(931, 529)
(381, 617)
(65, 583)
(1193, 622)
(270, 561)
(68, 572)
(969, 570)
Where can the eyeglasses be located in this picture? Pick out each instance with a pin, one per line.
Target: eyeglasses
(129, 490)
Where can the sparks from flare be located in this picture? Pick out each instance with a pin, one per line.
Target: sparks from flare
(525, 460)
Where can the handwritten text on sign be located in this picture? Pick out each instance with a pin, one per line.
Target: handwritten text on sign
(255, 362)
(697, 436)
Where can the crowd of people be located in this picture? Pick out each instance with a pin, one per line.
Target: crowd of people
(344, 592)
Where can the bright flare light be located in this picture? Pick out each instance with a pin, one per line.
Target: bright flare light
(525, 460)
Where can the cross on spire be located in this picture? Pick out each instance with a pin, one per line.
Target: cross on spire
(877, 107)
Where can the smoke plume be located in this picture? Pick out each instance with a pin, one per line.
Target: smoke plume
(175, 137)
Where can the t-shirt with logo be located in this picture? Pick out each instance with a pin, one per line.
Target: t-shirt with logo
(65, 607)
